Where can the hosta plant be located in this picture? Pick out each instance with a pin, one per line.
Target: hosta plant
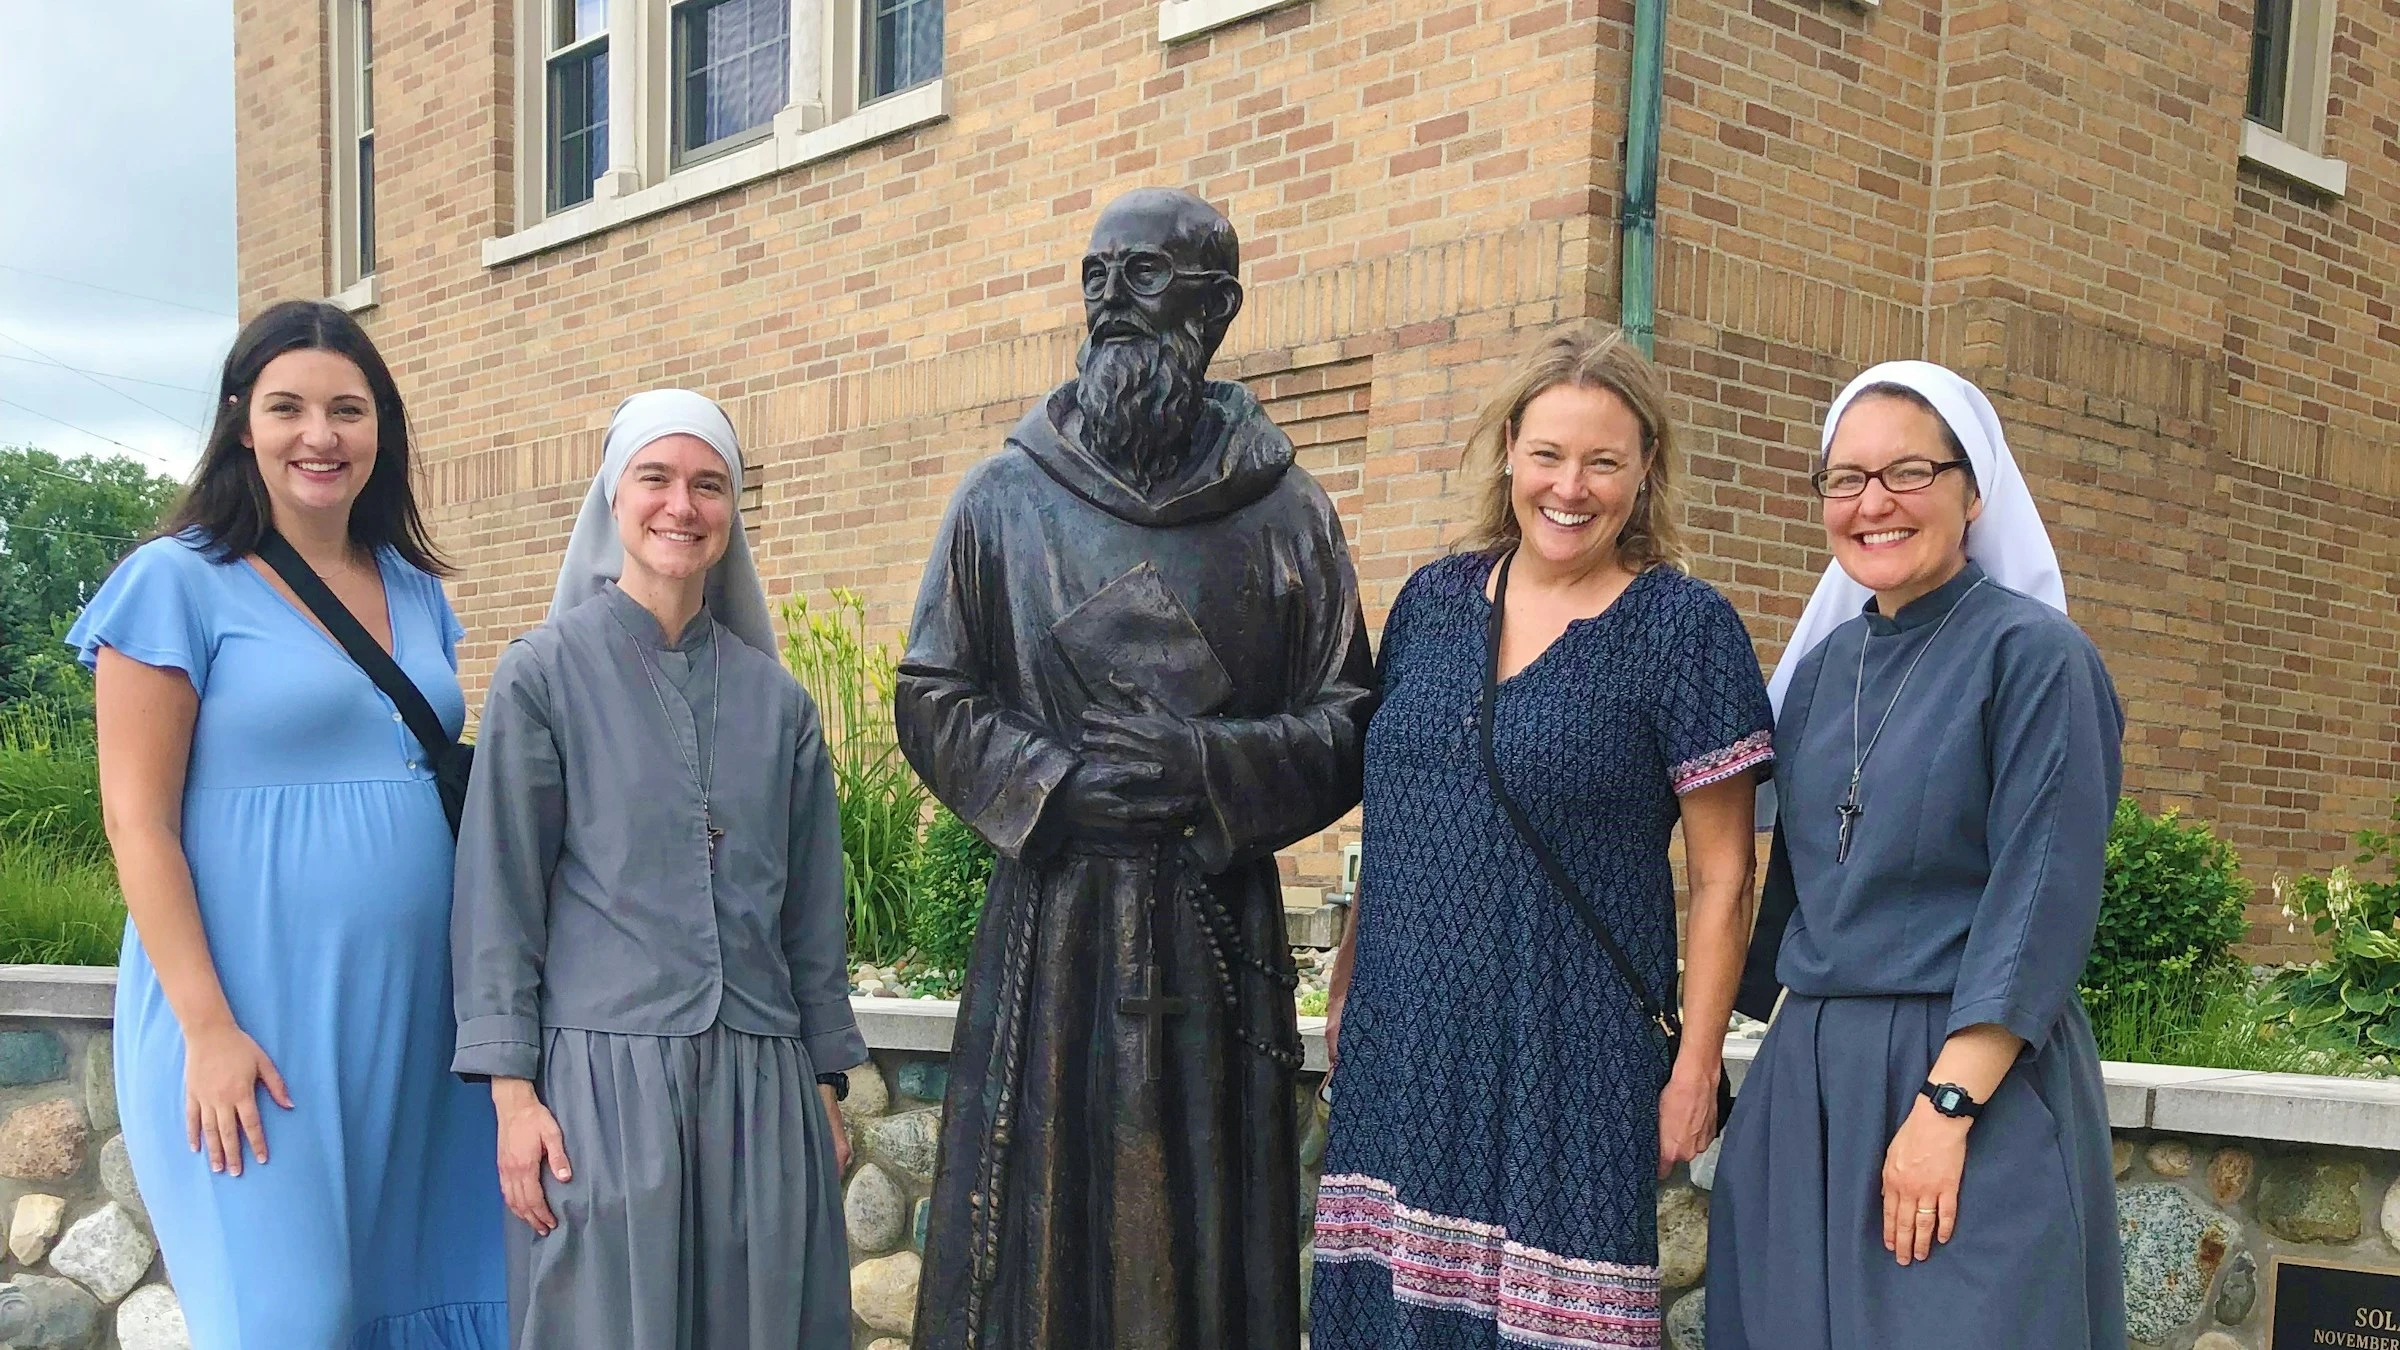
(2352, 995)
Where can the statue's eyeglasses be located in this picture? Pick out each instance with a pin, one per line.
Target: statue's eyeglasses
(1901, 475)
(1145, 272)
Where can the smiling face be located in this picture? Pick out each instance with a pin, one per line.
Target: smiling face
(313, 428)
(1575, 471)
(1899, 545)
(674, 509)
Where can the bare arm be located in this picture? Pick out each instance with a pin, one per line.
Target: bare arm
(145, 715)
(1720, 860)
(1337, 984)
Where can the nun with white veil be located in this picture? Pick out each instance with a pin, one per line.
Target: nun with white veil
(647, 935)
(1920, 1153)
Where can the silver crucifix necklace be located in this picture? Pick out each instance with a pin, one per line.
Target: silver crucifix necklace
(707, 786)
(1850, 809)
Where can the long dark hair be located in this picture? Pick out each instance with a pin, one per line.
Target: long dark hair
(227, 506)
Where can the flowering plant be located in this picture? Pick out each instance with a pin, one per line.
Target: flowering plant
(2353, 994)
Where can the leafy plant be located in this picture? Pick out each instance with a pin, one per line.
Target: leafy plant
(882, 803)
(2225, 1019)
(2352, 996)
(946, 892)
(2170, 911)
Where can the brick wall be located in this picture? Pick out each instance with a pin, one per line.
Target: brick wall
(2196, 361)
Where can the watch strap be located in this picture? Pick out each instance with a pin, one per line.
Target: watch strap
(1951, 1100)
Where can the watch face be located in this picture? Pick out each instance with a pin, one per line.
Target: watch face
(1949, 1099)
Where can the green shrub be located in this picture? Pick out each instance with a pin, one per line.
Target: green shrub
(945, 898)
(50, 782)
(2170, 911)
(57, 908)
(2223, 1020)
(2351, 998)
(882, 803)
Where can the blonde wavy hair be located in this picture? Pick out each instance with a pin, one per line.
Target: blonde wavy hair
(1585, 356)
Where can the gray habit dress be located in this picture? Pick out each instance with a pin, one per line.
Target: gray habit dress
(1969, 897)
(674, 1017)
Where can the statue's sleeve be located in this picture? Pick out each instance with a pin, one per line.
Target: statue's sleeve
(1272, 781)
(993, 765)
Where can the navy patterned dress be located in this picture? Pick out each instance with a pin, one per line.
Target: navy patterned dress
(1490, 1176)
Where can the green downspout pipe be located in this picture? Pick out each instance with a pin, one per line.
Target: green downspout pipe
(1637, 216)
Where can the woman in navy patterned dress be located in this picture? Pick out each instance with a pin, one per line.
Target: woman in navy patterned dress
(1502, 1107)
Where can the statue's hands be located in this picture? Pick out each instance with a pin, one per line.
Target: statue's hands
(1166, 743)
(1140, 775)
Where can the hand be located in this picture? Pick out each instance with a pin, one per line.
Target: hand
(1921, 1172)
(1153, 738)
(529, 1137)
(1105, 797)
(222, 1072)
(1687, 1113)
(1333, 1028)
(841, 1136)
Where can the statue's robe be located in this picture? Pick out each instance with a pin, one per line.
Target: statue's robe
(1113, 1174)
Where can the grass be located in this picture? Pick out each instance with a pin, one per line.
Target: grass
(50, 784)
(2219, 1021)
(57, 910)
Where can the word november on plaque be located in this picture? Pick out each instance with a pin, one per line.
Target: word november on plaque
(2325, 1305)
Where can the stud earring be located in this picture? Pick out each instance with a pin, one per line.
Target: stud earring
(1508, 471)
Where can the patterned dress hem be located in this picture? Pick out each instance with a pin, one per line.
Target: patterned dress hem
(1536, 1297)
(447, 1326)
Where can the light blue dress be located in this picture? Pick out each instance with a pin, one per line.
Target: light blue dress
(322, 862)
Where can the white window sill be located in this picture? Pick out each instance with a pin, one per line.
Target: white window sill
(1181, 19)
(2278, 156)
(790, 147)
(360, 296)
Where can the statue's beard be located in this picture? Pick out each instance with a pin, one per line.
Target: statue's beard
(1141, 398)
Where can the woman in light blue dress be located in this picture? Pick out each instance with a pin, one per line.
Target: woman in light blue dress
(316, 1177)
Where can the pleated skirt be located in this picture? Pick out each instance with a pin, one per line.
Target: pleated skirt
(1795, 1253)
(705, 1209)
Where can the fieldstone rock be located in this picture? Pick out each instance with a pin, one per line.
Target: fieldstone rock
(1308, 1278)
(887, 1343)
(1704, 1167)
(1682, 1236)
(918, 1224)
(924, 1079)
(2170, 1158)
(100, 1082)
(2121, 1152)
(2238, 1293)
(2229, 1175)
(875, 1211)
(150, 1318)
(883, 1292)
(1687, 1322)
(907, 1142)
(116, 1177)
(2309, 1199)
(2173, 1245)
(2391, 1215)
(2216, 1340)
(44, 1141)
(1312, 1141)
(869, 1095)
(36, 1220)
(49, 1314)
(105, 1252)
(28, 1057)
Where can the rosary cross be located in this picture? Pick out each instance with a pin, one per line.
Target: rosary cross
(1850, 812)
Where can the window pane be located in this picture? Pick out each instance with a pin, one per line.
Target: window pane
(366, 66)
(366, 206)
(2270, 62)
(735, 68)
(578, 141)
(571, 21)
(903, 44)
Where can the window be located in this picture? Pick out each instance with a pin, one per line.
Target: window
(900, 46)
(2291, 77)
(733, 71)
(350, 97)
(576, 121)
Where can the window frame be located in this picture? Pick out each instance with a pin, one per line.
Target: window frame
(550, 55)
(351, 191)
(679, 79)
(2296, 149)
(866, 92)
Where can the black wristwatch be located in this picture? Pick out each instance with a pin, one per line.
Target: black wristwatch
(839, 1082)
(1951, 1100)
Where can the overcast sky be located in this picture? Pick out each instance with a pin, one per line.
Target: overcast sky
(116, 172)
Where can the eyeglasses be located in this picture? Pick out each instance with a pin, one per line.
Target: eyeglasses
(1145, 272)
(1901, 475)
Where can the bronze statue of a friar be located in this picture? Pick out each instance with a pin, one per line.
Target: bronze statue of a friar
(1138, 667)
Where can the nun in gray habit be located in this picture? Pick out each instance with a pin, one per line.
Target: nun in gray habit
(1920, 1154)
(648, 931)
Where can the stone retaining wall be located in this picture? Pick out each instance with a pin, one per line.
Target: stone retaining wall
(2218, 1174)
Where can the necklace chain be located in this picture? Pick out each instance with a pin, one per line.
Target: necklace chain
(1850, 808)
(707, 786)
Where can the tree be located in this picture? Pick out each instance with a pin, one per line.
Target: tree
(63, 524)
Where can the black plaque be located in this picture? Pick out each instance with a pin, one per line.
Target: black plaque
(2325, 1305)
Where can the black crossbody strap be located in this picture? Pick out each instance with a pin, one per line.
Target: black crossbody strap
(362, 647)
(1660, 1015)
